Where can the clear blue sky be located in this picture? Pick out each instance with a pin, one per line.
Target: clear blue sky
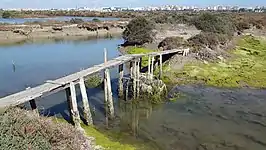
(133, 3)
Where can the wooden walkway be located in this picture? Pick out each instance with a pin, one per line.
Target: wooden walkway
(68, 82)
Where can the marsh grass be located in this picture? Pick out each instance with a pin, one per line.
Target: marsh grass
(247, 68)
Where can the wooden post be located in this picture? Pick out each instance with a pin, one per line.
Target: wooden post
(86, 105)
(138, 77)
(33, 105)
(72, 102)
(134, 79)
(152, 66)
(149, 66)
(161, 67)
(131, 68)
(140, 64)
(108, 89)
(120, 81)
(127, 86)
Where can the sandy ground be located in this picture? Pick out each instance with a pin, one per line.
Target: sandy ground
(9, 37)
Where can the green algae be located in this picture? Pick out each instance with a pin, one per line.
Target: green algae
(246, 68)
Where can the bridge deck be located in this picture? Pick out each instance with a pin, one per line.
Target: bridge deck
(56, 85)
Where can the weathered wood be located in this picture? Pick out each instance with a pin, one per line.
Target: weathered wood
(72, 101)
(161, 67)
(63, 83)
(85, 101)
(149, 66)
(152, 66)
(120, 81)
(110, 103)
(135, 68)
(127, 87)
(140, 64)
(138, 77)
(131, 68)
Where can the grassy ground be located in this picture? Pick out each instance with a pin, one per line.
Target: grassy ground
(111, 140)
(137, 50)
(247, 68)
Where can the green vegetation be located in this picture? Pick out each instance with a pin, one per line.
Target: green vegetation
(96, 20)
(172, 43)
(93, 81)
(140, 50)
(139, 31)
(246, 69)
(20, 129)
(110, 140)
(6, 14)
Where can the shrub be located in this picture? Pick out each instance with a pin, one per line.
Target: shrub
(6, 14)
(207, 39)
(20, 129)
(172, 43)
(76, 20)
(96, 20)
(221, 24)
(139, 31)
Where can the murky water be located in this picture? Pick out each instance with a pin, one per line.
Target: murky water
(205, 118)
(63, 18)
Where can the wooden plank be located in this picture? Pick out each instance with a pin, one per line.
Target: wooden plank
(85, 102)
(63, 83)
(120, 81)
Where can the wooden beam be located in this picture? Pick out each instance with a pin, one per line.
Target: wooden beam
(73, 107)
(120, 81)
(161, 67)
(85, 101)
(149, 66)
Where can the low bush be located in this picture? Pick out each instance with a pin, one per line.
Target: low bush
(20, 129)
(172, 43)
(76, 20)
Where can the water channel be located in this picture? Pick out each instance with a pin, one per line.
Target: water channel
(62, 18)
(202, 118)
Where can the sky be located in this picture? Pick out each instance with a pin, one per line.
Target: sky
(123, 3)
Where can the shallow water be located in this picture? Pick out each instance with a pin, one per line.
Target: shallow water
(31, 64)
(206, 118)
(63, 18)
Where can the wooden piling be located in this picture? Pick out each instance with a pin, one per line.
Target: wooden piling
(85, 101)
(108, 89)
(149, 66)
(120, 81)
(138, 77)
(73, 107)
(152, 67)
(161, 67)
(135, 68)
(131, 68)
(33, 105)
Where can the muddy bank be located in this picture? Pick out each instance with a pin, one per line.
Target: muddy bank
(67, 32)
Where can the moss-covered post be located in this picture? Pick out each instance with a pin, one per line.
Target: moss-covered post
(108, 89)
(161, 67)
(120, 81)
(73, 106)
(85, 101)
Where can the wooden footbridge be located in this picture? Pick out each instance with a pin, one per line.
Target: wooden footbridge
(68, 83)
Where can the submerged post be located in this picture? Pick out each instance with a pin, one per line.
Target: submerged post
(85, 101)
(120, 81)
(161, 67)
(72, 103)
(108, 89)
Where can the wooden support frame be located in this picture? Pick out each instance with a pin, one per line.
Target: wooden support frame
(120, 81)
(73, 107)
(85, 102)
